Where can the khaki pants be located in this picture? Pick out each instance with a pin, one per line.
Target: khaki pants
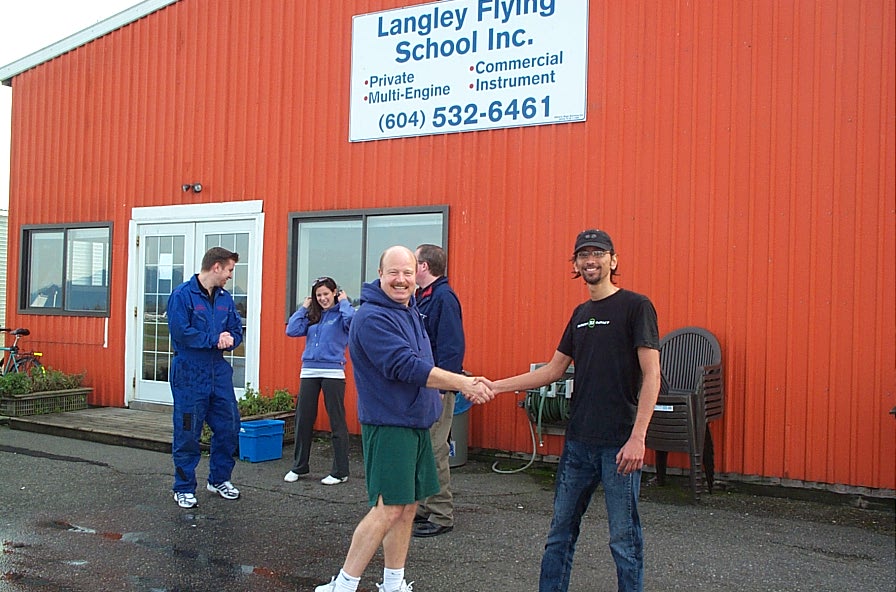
(440, 507)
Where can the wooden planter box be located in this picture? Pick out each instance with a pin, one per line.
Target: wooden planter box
(45, 402)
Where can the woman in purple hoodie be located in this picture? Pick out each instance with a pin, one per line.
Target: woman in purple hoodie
(324, 319)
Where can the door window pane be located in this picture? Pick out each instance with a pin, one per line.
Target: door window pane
(164, 269)
(237, 242)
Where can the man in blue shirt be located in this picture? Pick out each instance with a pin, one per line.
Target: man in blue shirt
(203, 324)
(443, 320)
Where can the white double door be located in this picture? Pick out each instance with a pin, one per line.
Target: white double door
(167, 254)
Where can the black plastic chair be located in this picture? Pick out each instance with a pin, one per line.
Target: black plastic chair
(691, 362)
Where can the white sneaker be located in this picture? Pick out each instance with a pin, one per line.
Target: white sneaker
(225, 490)
(326, 587)
(291, 477)
(405, 587)
(185, 500)
(331, 480)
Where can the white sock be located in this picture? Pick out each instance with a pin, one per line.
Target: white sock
(392, 579)
(346, 583)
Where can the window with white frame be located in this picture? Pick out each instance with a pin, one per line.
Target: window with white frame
(346, 245)
(65, 270)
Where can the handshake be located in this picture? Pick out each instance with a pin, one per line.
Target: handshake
(479, 390)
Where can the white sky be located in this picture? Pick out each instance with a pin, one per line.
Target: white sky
(31, 25)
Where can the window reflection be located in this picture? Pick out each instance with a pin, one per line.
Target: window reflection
(67, 269)
(409, 230)
(348, 247)
(329, 248)
(87, 268)
(45, 266)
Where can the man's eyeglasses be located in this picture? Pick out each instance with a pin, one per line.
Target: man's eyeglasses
(584, 255)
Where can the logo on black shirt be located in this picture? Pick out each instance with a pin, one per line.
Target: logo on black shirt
(592, 323)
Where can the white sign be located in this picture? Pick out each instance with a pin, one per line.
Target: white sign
(465, 65)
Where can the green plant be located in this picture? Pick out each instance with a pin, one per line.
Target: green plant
(15, 383)
(18, 383)
(55, 380)
(256, 403)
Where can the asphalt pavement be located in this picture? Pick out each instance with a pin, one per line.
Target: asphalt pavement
(82, 516)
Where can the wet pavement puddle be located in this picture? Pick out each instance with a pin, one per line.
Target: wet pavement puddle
(199, 558)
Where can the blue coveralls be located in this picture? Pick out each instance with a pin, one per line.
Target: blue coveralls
(202, 381)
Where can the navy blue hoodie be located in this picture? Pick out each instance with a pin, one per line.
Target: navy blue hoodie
(391, 361)
(443, 320)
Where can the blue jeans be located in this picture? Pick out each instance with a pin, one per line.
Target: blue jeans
(582, 468)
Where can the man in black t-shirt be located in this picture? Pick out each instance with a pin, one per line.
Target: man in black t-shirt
(614, 342)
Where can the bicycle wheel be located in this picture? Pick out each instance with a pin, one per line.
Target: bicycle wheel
(29, 364)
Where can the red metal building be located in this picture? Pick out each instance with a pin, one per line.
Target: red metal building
(741, 154)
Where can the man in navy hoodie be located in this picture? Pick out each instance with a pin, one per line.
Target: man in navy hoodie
(443, 320)
(398, 401)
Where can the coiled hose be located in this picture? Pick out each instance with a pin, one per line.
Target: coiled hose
(547, 405)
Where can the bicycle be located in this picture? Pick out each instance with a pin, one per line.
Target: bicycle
(16, 361)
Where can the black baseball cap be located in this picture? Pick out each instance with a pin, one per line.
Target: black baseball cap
(593, 238)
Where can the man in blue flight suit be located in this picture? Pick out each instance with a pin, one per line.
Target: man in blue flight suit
(203, 323)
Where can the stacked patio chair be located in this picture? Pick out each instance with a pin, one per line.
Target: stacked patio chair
(691, 362)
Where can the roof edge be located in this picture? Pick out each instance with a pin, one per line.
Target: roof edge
(125, 17)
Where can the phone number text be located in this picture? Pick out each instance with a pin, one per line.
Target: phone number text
(470, 114)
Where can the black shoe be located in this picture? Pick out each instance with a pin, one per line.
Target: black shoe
(654, 482)
(430, 529)
(420, 519)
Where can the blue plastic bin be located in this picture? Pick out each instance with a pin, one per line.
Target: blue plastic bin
(261, 440)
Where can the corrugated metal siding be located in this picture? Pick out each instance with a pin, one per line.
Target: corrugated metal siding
(4, 230)
(740, 153)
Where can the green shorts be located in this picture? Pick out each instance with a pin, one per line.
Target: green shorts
(399, 463)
